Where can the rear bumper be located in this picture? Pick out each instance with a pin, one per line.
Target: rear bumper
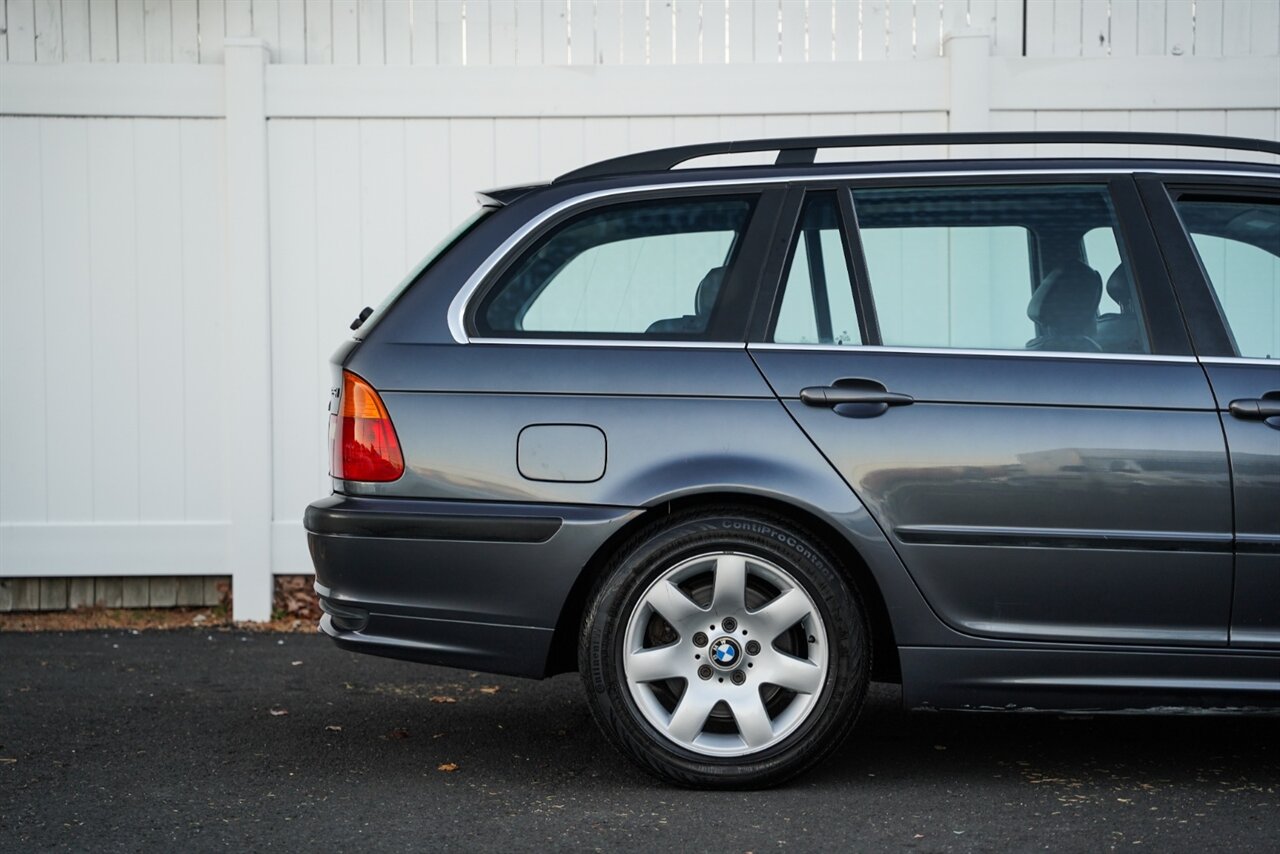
(476, 585)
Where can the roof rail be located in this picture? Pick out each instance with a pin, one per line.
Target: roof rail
(803, 150)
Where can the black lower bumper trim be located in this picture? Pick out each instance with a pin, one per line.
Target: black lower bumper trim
(411, 522)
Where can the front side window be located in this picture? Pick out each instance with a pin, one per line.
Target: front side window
(1239, 247)
(653, 269)
(999, 268)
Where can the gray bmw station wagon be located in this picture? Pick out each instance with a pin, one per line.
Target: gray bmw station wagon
(732, 441)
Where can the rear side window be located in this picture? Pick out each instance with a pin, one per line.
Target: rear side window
(645, 269)
(999, 268)
(817, 296)
(1239, 247)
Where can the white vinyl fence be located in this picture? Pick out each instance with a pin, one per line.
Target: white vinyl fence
(197, 197)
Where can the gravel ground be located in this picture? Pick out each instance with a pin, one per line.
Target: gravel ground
(223, 740)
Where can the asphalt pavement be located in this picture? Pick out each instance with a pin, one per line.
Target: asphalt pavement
(222, 740)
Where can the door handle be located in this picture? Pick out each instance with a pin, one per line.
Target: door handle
(1255, 409)
(835, 395)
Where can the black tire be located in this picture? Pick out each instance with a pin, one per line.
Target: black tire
(644, 558)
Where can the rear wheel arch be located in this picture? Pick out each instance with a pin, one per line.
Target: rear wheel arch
(885, 665)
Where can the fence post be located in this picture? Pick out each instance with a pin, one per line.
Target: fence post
(969, 80)
(247, 340)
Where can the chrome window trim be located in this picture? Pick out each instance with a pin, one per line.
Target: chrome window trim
(957, 351)
(614, 342)
(459, 305)
(1240, 360)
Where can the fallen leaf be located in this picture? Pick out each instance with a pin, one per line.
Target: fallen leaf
(448, 767)
(333, 728)
(444, 699)
(398, 732)
(279, 712)
(489, 689)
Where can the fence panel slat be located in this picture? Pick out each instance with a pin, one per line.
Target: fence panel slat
(1039, 29)
(426, 182)
(318, 25)
(608, 33)
(661, 33)
(821, 29)
(476, 33)
(75, 30)
(902, 22)
(714, 31)
(791, 36)
(740, 37)
(1007, 40)
(398, 32)
(345, 32)
(1264, 27)
(382, 207)
(928, 29)
(203, 214)
(765, 31)
(158, 177)
(1095, 27)
(471, 146)
(582, 32)
(686, 19)
(422, 43)
(371, 32)
(48, 25)
(1151, 27)
(516, 153)
(23, 481)
(185, 26)
(68, 330)
(1236, 37)
(560, 146)
(102, 32)
(555, 33)
(1124, 29)
(528, 34)
(1067, 28)
(239, 18)
(502, 32)
(866, 41)
(211, 19)
(158, 30)
(293, 32)
(113, 267)
(1179, 37)
(1208, 35)
(131, 35)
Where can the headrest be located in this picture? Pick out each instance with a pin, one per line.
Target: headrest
(708, 290)
(1120, 287)
(1067, 300)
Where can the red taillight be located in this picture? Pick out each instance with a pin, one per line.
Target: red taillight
(362, 440)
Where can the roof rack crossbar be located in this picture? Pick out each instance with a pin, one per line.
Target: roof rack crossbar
(802, 150)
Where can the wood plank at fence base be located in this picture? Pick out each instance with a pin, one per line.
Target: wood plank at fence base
(53, 594)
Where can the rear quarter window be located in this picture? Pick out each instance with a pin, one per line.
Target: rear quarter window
(642, 269)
